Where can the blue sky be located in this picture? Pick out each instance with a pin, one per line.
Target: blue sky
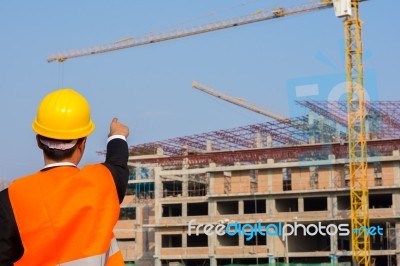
(149, 87)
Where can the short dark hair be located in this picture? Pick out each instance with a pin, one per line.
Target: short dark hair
(55, 154)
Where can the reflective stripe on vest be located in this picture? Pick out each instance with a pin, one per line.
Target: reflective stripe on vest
(97, 260)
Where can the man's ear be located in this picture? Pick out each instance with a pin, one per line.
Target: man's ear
(40, 145)
(81, 144)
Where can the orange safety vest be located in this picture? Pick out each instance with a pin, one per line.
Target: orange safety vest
(65, 216)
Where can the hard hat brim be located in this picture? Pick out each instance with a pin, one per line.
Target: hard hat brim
(62, 135)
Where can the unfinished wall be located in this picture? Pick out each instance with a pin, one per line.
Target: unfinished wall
(127, 248)
(263, 181)
(276, 180)
(371, 175)
(240, 182)
(300, 178)
(388, 173)
(218, 183)
(324, 177)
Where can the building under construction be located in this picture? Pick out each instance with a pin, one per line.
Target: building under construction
(280, 172)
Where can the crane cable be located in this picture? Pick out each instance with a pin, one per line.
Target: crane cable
(60, 82)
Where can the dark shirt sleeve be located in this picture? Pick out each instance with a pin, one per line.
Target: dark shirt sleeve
(11, 248)
(117, 162)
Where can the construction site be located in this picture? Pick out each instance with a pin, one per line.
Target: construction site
(223, 197)
(279, 171)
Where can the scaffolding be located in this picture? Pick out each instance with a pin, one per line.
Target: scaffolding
(268, 134)
(382, 116)
(321, 133)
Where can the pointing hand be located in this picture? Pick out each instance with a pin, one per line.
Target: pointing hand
(117, 128)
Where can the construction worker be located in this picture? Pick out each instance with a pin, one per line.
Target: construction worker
(63, 215)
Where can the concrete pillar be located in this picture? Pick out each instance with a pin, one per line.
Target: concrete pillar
(208, 145)
(334, 207)
(241, 240)
(138, 172)
(259, 143)
(396, 170)
(185, 163)
(271, 209)
(301, 204)
(369, 128)
(160, 151)
(329, 205)
(185, 185)
(213, 261)
(271, 247)
(311, 131)
(332, 181)
(212, 248)
(313, 177)
(211, 184)
(396, 203)
(337, 132)
(397, 243)
(271, 259)
(269, 181)
(157, 261)
(139, 232)
(212, 208)
(334, 248)
(269, 141)
(184, 209)
(158, 193)
(241, 207)
(184, 240)
(157, 248)
(334, 259)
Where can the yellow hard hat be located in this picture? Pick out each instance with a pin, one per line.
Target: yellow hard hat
(63, 114)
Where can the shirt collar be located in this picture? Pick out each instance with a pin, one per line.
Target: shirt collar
(58, 164)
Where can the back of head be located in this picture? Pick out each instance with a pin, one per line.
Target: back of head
(62, 121)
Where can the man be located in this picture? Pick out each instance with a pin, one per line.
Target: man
(63, 215)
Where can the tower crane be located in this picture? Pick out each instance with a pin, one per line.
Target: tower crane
(348, 9)
(129, 42)
(239, 102)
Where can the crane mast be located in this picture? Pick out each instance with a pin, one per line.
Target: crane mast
(354, 89)
(356, 113)
(244, 104)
